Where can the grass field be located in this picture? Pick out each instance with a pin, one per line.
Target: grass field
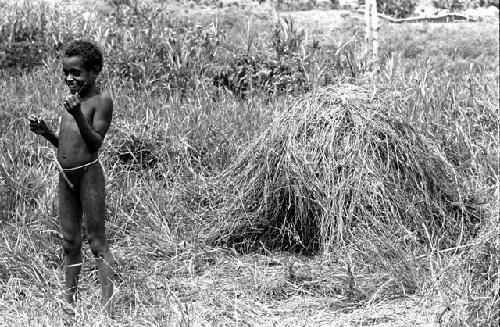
(175, 137)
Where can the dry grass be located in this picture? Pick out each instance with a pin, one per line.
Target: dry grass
(474, 288)
(336, 165)
(189, 286)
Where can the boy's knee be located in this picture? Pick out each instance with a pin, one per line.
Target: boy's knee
(72, 246)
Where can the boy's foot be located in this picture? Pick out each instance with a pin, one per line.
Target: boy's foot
(68, 313)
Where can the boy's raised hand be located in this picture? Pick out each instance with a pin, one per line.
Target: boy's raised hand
(72, 104)
(38, 126)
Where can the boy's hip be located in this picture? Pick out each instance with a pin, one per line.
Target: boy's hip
(74, 176)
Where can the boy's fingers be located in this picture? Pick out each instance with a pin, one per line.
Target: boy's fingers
(71, 98)
(75, 98)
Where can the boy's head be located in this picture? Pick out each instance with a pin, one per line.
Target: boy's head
(88, 51)
(82, 63)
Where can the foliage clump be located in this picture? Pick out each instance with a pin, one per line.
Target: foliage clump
(23, 38)
(293, 63)
(163, 53)
(397, 8)
(337, 162)
(150, 49)
(137, 152)
(248, 75)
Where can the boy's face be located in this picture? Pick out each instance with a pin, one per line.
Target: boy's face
(78, 78)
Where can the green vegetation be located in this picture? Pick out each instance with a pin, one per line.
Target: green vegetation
(202, 102)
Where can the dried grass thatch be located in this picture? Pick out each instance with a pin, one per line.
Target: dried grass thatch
(472, 286)
(335, 162)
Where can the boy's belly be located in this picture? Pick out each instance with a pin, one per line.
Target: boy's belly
(72, 151)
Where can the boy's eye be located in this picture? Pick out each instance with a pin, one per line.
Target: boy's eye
(73, 73)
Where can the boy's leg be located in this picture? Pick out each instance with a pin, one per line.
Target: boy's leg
(70, 216)
(92, 194)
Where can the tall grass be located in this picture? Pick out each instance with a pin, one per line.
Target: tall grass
(174, 133)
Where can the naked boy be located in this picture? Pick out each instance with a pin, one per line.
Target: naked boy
(85, 119)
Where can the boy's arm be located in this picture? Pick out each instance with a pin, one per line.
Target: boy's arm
(94, 135)
(52, 137)
(39, 127)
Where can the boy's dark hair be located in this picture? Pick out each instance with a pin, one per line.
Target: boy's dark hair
(89, 51)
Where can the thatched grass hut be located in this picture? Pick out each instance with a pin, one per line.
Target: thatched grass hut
(337, 163)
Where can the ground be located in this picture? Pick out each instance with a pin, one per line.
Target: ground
(166, 278)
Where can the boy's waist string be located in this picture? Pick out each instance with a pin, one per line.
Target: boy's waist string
(81, 166)
(63, 171)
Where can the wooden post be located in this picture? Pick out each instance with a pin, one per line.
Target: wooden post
(368, 22)
(375, 27)
(371, 33)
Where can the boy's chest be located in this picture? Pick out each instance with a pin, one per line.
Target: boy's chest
(68, 121)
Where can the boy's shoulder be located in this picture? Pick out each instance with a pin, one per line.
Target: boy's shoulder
(104, 100)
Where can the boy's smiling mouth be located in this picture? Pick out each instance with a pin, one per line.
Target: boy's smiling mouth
(75, 86)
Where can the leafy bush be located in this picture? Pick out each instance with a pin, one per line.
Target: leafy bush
(291, 65)
(23, 54)
(283, 73)
(153, 50)
(247, 74)
(461, 4)
(146, 48)
(143, 46)
(396, 8)
(25, 38)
